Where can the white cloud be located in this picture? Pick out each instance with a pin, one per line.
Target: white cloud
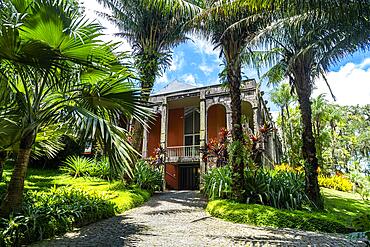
(206, 69)
(163, 79)
(178, 61)
(91, 6)
(350, 85)
(204, 46)
(190, 79)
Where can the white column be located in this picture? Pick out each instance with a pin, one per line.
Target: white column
(202, 135)
(256, 122)
(164, 125)
(145, 143)
(229, 120)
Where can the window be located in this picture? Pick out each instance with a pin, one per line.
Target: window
(192, 126)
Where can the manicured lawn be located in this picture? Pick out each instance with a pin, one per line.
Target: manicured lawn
(341, 209)
(44, 179)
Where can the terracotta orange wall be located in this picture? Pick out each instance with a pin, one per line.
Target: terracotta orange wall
(216, 119)
(172, 176)
(154, 137)
(175, 127)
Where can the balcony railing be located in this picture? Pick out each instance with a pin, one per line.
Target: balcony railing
(182, 153)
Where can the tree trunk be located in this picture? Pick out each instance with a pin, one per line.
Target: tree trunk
(303, 89)
(290, 127)
(2, 163)
(14, 195)
(148, 65)
(285, 143)
(234, 80)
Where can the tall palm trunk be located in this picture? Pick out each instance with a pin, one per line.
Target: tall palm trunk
(303, 89)
(148, 65)
(14, 195)
(234, 80)
(285, 143)
(2, 163)
(289, 121)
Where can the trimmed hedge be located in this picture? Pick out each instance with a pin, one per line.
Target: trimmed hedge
(261, 215)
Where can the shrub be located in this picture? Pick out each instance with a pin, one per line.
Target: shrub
(261, 215)
(217, 182)
(279, 189)
(336, 182)
(362, 222)
(77, 166)
(101, 169)
(45, 214)
(147, 177)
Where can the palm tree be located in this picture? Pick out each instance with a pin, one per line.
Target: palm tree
(214, 22)
(153, 28)
(282, 97)
(56, 71)
(308, 42)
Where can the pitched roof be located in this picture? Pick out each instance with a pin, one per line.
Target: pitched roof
(175, 86)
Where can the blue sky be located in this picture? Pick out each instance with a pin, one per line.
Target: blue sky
(196, 62)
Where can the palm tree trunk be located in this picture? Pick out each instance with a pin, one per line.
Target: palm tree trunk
(303, 89)
(234, 80)
(148, 65)
(290, 126)
(14, 195)
(2, 163)
(285, 143)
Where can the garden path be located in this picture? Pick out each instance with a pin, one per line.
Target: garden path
(177, 218)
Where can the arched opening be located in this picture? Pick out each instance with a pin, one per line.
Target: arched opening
(247, 114)
(154, 135)
(216, 119)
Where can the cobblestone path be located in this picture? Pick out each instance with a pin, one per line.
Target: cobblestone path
(178, 219)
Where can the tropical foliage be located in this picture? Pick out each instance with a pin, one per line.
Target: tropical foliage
(54, 70)
(276, 188)
(46, 214)
(153, 28)
(147, 177)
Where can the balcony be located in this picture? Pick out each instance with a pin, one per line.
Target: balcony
(183, 154)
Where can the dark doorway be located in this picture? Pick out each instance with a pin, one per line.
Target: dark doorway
(189, 177)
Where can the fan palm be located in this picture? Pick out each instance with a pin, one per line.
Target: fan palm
(55, 70)
(153, 28)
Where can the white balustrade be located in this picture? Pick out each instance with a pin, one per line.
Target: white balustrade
(182, 153)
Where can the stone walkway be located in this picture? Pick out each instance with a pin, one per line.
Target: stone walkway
(178, 219)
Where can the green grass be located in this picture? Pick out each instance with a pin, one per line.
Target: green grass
(341, 209)
(43, 179)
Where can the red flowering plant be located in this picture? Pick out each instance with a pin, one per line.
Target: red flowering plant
(257, 140)
(217, 149)
(158, 157)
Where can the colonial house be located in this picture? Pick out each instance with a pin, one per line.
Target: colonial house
(187, 117)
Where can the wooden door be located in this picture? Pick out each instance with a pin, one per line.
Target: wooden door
(189, 177)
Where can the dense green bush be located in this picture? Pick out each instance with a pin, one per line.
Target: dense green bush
(45, 214)
(261, 215)
(101, 169)
(362, 222)
(279, 189)
(217, 182)
(78, 166)
(147, 177)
